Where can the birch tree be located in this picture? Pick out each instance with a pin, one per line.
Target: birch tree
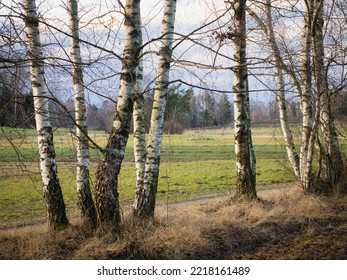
(281, 95)
(309, 127)
(315, 99)
(139, 128)
(302, 164)
(330, 150)
(106, 191)
(244, 152)
(85, 200)
(145, 198)
(280, 67)
(56, 215)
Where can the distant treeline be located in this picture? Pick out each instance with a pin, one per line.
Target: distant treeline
(185, 109)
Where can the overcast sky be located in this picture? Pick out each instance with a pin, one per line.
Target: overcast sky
(101, 24)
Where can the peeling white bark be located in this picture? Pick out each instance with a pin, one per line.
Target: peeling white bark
(85, 200)
(140, 151)
(244, 152)
(308, 127)
(145, 200)
(106, 191)
(56, 216)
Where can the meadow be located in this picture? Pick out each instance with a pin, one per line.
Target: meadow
(284, 223)
(198, 163)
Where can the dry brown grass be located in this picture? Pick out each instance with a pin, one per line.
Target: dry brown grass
(282, 224)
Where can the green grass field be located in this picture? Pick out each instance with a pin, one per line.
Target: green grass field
(196, 163)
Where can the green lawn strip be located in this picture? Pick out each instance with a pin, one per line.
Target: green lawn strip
(21, 196)
(169, 153)
(194, 164)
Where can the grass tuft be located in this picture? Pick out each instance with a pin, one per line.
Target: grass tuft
(282, 224)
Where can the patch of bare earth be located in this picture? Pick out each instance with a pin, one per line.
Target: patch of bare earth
(282, 224)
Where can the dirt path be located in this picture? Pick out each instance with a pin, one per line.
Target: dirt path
(126, 208)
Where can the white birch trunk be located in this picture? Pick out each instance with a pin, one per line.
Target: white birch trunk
(308, 133)
(281, 98)
(106, 192)
(245, 158)
(56, 215)
(85, 200)
(145, 201)
(139, 131)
